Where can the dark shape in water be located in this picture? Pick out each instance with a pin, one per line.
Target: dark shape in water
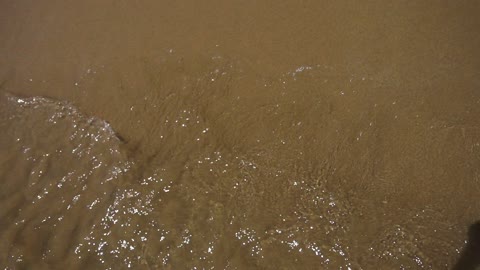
(470, 257)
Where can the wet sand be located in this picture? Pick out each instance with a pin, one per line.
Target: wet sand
(238, 134)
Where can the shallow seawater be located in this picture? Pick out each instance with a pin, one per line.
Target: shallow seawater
(312, 135)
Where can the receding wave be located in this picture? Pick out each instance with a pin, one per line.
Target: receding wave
(74, 197)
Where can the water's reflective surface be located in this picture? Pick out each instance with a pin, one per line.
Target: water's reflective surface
(236, 135)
